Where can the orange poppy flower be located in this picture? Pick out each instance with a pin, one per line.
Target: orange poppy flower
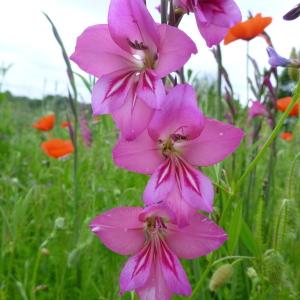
(284, 102)
(57, 148)
(287, 136)
(65, 124)
(247, 30)
(45, 123)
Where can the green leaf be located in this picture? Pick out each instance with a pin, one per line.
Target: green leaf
(235, 228)
(247, 239)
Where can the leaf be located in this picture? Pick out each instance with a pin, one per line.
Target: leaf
(235, 228)
(248, 239)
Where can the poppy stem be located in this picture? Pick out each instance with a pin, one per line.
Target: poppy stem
(270, 139)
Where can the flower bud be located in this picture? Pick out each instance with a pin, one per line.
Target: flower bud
(220, 277)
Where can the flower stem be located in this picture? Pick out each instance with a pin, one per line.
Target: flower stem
(271, 138)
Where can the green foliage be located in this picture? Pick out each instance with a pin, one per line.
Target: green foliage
(39, 259)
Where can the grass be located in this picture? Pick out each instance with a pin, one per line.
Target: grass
(39, 259)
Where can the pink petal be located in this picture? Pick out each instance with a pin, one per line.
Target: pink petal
(151, 90)
(175, 49)
(131, 21)
(141, 155)
(137, 269)
(180, 208)
(195, 188)
(160, 184)
(215, 143)
(179, 115)
(156, 287)
(172, 271)
(200, 237)
(120, 230)
(214, 18)
(133, 117)
(157, 210)
(111, 91)
(97, 54)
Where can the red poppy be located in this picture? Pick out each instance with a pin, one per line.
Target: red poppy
(65, 124)
(284, 102)
(247, 30)
(287, 136)
(57, 148)
(45, 123)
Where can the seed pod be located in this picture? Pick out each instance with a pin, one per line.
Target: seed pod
(273, 266)
(220, 277)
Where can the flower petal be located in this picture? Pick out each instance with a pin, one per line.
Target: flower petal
(120, 230)
(160, 183)
(175, 49)
(137, 269)
(181, 208)
(97, 54)
(195, 188)
(141, 155)
(155, 287)
(201, 235)
(215, 143)
(214, 18)
(110, 92)
(179, 115)
(129, 22)
(173, 271)
(133, 117)
(151, 90)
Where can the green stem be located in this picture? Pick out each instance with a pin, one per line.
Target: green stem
(271, 138)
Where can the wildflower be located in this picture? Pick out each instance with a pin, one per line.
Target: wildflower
(293, 13)
(130, 55)
(276, 60)
(85, 131)
(247, 30)
(287, 136)
(256, 109)
(213, 17)
(57, 148)
(284, 102)
(177, 139)
(45, 123)
(155, 242)
(65, 124)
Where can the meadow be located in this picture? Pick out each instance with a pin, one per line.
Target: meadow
(42, 259)
(46, 205)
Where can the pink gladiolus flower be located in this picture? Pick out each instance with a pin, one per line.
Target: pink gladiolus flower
(85, 131)
(178, 138)
(213, 17)
(256, 109)
(155, 243)
(130, 55)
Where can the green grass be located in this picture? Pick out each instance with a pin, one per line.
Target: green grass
(40, 260)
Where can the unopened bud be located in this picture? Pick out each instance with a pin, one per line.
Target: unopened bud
(220, 277)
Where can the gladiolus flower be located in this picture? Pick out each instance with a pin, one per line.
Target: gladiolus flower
(247, 30)
(287, 136)
(178, 138)
(85, 131)
(65, 124)
(155, 243)
(275, 60)
(284, 102)
(58, 148)
(130, 55)
(213, 17)
(256, 109)
(45, 123)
